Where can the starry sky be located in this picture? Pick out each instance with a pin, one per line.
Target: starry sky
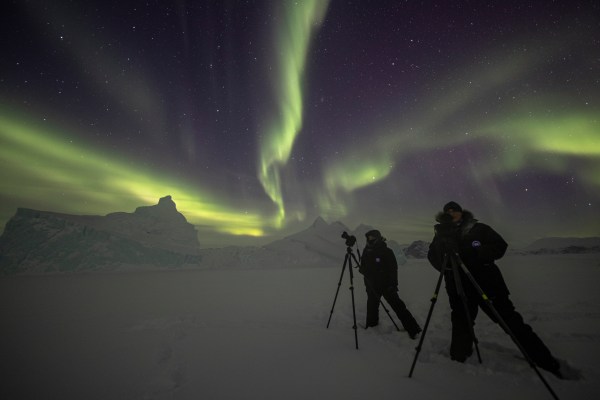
(259, 116)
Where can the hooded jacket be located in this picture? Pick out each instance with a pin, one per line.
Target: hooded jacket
(478, 246)
(378, 264)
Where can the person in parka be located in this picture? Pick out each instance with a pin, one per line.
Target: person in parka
(380, 270)
(478, 246)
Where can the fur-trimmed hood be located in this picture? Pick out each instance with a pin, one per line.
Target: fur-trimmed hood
(464, 225)
(443, 217)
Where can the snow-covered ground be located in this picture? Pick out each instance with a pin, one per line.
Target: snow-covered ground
(261, 334)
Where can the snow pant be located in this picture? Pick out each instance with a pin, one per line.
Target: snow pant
(374, 294)
(462, 340)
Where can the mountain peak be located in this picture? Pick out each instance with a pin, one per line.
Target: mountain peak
(364, 227)
(165, 209)
(319, 222)
(167, 201)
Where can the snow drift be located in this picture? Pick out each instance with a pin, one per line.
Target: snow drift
(249, 322)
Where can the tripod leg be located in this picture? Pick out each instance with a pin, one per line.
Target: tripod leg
(461, 292)
(433, 301)
(352, 293)
(506, 328)
(389, 315)
(338, 289)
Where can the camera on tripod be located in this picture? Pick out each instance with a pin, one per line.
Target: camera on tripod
(446, 231)
(350, 239)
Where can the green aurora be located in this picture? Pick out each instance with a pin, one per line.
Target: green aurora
(514, 132)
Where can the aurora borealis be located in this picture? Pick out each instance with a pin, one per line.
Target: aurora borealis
(259, 116)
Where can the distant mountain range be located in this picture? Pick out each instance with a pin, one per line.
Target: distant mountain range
(417, 249)
(158, 237)
(555, 245)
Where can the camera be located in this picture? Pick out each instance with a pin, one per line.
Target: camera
(446, 231)
(445, 227)
(350, 239)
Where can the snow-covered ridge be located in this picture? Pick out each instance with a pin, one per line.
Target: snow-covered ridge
(42, 241)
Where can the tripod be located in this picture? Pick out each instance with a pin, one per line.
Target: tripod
(348, 262)
(452, 257)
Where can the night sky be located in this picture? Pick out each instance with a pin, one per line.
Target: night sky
(259, 116)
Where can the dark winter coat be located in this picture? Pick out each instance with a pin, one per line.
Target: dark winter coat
(379, 266)
(478, 246)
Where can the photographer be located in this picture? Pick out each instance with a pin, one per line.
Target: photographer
(380, 270)
(478, 246)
